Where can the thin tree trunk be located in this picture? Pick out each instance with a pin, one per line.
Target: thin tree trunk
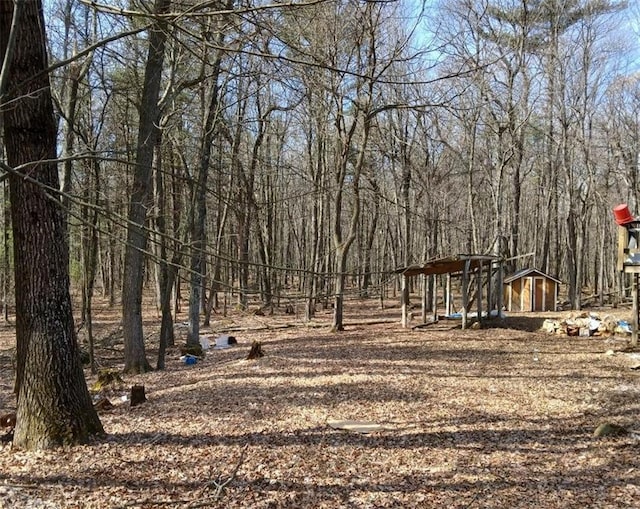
(217, 270)
(6, 262)
(343, 244)
(198, 234)
(167, 270)
(90, 255)
(371, 236)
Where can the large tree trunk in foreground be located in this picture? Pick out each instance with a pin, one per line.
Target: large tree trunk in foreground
(54, 405)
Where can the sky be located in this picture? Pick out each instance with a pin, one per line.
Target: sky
(627, 21)
(633, 25)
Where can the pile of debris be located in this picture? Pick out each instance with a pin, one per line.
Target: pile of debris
(586, 325)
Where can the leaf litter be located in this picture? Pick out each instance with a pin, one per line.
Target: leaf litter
(488, 418)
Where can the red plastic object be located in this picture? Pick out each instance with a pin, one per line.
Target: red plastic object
(622, 214)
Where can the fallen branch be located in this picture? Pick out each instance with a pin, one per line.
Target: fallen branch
(238, 328)
(306, 325)
(219, 485)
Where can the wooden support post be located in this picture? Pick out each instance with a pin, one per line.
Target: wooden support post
(634, 328)
(425, 294)
(404, 301)
(623, 242)
(447, 292)
(434, 296)
(465, 293)
(500, 289)
(479, 291)
(490, 300)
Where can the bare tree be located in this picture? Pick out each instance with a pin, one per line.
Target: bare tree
(212, 116)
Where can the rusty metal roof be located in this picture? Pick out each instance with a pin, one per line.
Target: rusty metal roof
(447, 265)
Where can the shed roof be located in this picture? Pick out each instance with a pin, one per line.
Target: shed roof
(447, 265)
(528, 273)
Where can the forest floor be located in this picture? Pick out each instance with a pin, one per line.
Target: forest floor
(498, 417)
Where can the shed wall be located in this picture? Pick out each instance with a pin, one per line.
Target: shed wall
(531, 294)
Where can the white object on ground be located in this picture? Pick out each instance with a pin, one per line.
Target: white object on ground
(357, 426)
(222, 342)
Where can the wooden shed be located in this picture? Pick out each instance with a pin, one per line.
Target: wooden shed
(531, 290)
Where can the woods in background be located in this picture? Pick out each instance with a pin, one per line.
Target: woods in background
(297, 152)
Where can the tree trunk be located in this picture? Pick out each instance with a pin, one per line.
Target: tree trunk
(199, 208)
(167, 270)
(90, 253)
(6, 262)
(338, 302)
(212, 302)
(341, 243)
(54, 406)
(135, 360)
(317, 170)
(371, 237)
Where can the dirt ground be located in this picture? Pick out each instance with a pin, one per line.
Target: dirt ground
(498, 417)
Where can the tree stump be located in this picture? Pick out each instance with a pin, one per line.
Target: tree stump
(195, 350)
(8, 420)
(609, 429)
(103, 404)
(137, 395)
(256, 351)
(106, 378)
